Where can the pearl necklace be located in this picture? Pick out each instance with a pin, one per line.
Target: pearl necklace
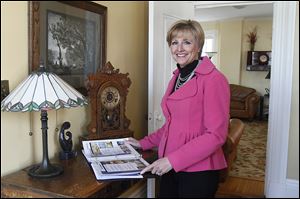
(181, 81)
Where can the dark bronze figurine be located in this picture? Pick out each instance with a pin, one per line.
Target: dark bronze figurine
(66, 143)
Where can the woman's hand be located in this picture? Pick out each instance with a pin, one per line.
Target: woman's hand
(159, 167)
(134, 142)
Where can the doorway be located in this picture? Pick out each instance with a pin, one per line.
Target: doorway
(280, 88)
(231, 24)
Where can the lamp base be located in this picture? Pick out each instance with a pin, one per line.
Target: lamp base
(51, 170)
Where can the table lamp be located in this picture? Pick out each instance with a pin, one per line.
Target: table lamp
(43, 91)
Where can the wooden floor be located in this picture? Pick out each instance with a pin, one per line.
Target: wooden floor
(235, 187)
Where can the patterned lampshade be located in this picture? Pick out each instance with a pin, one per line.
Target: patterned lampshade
(42, 91)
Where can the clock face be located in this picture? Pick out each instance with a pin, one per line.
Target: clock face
(263, 59)
(110, 97)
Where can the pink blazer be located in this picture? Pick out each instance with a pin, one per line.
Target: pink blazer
(197, 117)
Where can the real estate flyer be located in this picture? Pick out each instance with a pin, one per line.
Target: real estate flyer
(113, 159)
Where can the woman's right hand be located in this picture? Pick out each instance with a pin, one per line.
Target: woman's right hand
(134, 142)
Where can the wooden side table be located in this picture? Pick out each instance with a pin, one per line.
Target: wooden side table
(78, 180)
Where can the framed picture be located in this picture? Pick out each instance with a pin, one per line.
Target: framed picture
(69, 38)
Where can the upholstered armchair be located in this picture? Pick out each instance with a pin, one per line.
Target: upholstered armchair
(244, 102)
(236, 129)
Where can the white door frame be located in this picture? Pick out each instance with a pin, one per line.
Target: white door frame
(150, 182)
(284, 15)
(280, 99)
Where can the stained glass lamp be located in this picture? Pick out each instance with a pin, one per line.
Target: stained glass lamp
(43, 91)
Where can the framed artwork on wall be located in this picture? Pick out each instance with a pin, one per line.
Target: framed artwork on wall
(69, 38)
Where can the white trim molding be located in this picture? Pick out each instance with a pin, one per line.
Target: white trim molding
(151, 188)
(213, 4)
(280, 99)
(292, 188)
(150, 65)
(287, 189)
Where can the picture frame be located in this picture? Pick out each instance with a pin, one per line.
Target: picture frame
(68, 38)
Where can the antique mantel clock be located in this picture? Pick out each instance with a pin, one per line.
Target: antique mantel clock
(107, 90)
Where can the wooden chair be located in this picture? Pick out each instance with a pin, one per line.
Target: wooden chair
(236, 129)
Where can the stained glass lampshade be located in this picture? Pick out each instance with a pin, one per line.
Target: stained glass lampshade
(43, 91)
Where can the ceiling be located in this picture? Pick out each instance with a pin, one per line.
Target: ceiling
(231, 12)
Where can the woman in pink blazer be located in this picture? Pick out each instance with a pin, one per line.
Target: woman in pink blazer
(196, 108)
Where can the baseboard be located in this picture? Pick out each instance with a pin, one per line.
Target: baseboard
(289, 189)
(292, 188)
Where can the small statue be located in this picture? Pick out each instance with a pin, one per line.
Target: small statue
(66, 144)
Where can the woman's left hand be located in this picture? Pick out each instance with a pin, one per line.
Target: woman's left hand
(159, 167)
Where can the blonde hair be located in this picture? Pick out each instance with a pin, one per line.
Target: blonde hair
(191, 26)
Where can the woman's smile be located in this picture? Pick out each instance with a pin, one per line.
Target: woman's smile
(184, 49)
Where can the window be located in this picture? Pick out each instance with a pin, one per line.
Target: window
(210, 43)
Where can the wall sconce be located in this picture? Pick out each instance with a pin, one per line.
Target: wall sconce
(43, 91)
(211, 54)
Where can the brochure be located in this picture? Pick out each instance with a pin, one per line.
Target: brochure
(113, 159)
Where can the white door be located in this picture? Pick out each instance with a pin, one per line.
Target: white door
(161, 16)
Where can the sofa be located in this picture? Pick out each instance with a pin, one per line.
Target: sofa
(235, 131)
(244, 102)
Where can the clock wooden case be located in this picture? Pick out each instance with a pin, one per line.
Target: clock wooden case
(107, 90)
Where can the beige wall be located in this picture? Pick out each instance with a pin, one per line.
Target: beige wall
(230, 50)
(228, 58)
(233, 47)
(215, 27)
(293, 156)
(126, 50)
(256, 79)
